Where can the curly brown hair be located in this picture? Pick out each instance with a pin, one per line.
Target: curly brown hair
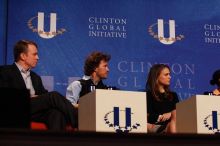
(93, 61)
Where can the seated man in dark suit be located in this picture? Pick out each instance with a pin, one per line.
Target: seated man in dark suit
(49, 107)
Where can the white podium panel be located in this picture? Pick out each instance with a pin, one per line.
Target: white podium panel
(113, 111)
(199, 114)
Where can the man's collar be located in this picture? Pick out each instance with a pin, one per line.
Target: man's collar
(21, 68)
(85, 77)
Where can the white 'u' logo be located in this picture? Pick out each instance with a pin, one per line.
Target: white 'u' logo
(172, 36)
(52, 32)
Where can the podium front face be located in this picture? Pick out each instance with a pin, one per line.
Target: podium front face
(113, 111)
(199, 114)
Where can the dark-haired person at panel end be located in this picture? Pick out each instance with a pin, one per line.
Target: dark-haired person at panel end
(95, 70)
(215, 81)
(49, 107)
(161, 102)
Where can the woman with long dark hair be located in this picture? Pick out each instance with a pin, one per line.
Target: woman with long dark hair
(216, 81)
(161, 102)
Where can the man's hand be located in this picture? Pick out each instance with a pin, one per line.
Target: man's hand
(33, 96)
(76, 105)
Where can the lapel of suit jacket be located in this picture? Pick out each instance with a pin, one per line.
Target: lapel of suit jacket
(34, 81)
(18, 77)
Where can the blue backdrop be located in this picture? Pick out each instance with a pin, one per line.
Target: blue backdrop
(137, 33)
(3, 27)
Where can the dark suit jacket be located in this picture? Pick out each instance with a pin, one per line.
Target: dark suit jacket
(10, 77)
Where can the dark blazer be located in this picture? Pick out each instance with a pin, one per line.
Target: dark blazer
(10, 77)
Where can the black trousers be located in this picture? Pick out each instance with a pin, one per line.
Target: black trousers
(54, 110)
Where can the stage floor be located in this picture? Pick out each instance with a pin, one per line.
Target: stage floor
(12, 137)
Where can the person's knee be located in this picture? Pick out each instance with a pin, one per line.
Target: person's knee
(55, 93)
(56, 96)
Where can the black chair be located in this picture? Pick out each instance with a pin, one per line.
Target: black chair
(14, 108)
